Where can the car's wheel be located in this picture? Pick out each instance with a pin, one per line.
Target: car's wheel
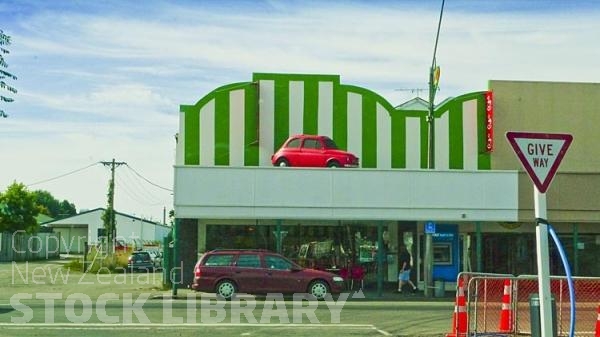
(226, 289)
(319, 289)
(282, 162)
(333, 163)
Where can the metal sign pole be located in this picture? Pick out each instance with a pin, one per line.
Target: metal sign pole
(540, 154)
(543, 263)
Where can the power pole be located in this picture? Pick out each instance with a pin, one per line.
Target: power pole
(109, 215)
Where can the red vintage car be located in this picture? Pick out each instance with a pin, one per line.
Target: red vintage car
(312, 151)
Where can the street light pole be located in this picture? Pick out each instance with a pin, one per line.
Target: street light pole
(434, 73)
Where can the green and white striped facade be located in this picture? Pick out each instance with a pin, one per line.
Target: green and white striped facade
(242, 124)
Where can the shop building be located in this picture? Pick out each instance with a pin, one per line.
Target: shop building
(228, 194)
(87, 227)
(574, 196)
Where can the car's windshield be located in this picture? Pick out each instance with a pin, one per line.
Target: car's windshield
(329, 143)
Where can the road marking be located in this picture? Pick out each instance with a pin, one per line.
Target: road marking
(103, 326)
(383, 332)
(118, 325)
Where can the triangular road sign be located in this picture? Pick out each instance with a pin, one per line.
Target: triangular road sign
(540, 154)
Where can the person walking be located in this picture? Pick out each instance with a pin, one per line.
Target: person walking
(404, 274)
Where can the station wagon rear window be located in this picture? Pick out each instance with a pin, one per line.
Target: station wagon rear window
(249, 261)
(219, 260)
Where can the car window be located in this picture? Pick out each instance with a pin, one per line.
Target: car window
(219, 260)
(294, 143)
(248, 261)
(329, 143)
(142, 256)
(276, 262)
(312, 144)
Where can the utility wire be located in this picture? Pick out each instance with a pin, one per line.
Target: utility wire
(148, 181)
(138, 185)
(135, 196)
(63, 175)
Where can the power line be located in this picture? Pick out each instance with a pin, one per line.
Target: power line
(148, 181)
(142, 198)
(139, 186)
(63, 175)
(105, 163)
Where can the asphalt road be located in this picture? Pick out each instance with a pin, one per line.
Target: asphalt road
(40, 300)
(247, 317)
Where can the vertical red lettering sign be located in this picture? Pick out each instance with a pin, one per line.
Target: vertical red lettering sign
(489, 121)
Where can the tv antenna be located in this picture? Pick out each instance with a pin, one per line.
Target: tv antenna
(416, 91)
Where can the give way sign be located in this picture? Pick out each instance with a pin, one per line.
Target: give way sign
(540, 154)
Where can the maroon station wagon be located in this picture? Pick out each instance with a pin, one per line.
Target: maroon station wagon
(228, 272)
(312, 151)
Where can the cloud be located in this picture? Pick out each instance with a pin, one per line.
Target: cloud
(105, 80)
(36, 159)
(387, 43)
(125, 103)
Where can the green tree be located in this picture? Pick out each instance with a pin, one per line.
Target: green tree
(50, 206)
(18, 210)
(109, 216)
(67, 208)
(5, 75)
(171, 217)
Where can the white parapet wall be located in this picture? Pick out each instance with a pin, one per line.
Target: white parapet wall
(345, 194)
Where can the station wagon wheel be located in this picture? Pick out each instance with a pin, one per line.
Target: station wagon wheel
(282, 162)
(226, 289)
(333, 163)
(319, 289)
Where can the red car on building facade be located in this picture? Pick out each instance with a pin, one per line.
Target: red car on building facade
(312, 151)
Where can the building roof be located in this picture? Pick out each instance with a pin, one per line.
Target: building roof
(416, 103)
(419, 104)
(101, 209)
(43, 218)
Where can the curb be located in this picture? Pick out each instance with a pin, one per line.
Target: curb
(356, 296)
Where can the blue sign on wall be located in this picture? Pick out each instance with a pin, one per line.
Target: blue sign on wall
(429, 227)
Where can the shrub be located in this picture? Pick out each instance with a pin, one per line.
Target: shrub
(99, 262)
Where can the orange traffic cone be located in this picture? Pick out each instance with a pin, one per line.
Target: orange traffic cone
(598, 323)
(506, 314)
(460, 320)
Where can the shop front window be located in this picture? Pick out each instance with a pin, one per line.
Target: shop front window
(315, 246)
(233, 237)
